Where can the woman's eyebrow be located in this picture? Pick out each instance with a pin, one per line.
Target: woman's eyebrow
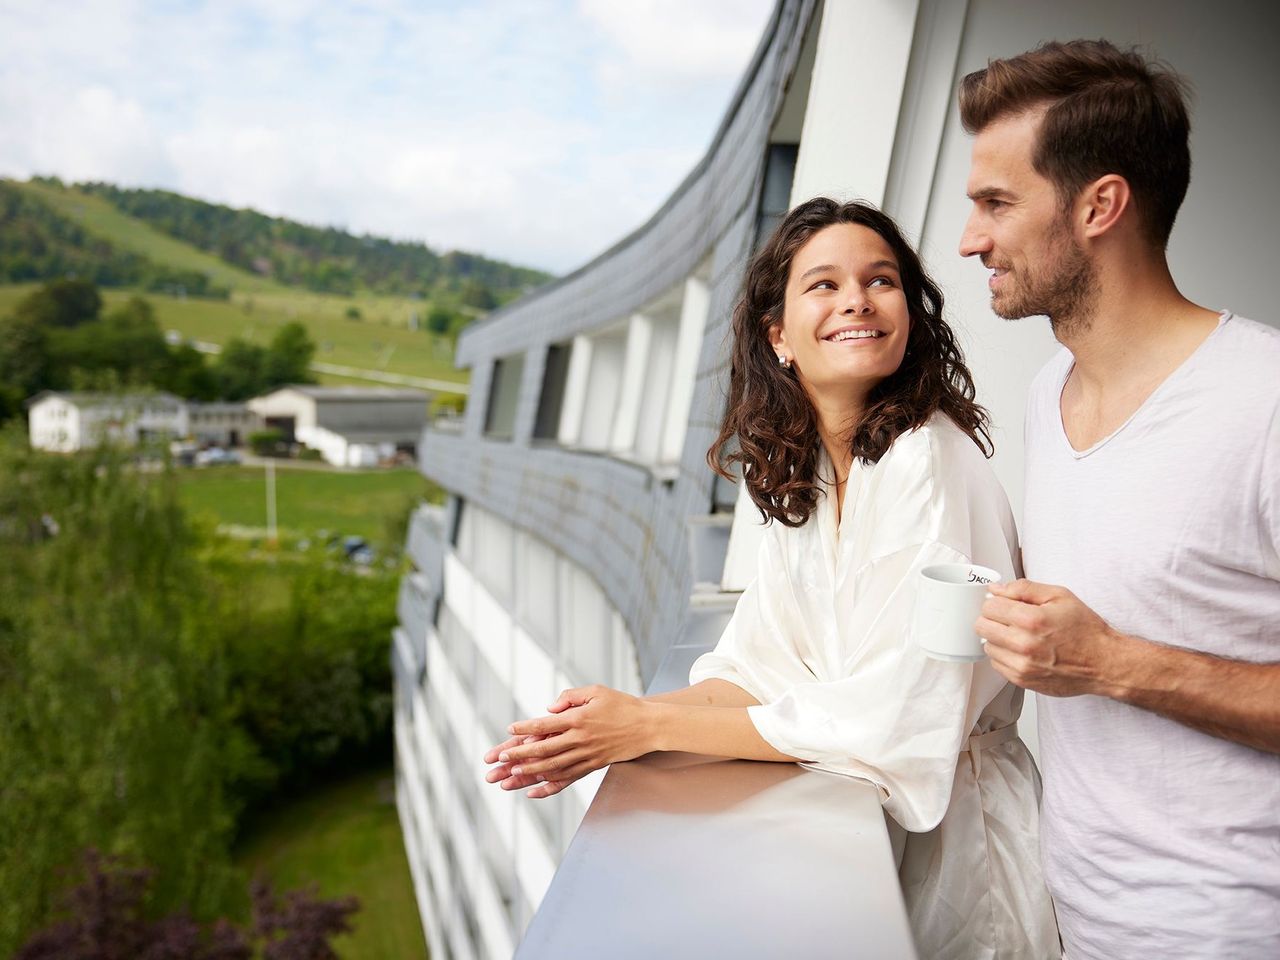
(812, 271)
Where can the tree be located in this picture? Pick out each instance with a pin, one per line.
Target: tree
(116, 722)
(186, 374)
(105, 918)
(288, 358)
(25, 364)
(127, 342)
(61, 303)
(474, 293)
(240, 369)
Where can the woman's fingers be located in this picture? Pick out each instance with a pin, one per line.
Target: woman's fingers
(551, 787)
(541, 726)
(551, 768)
(495, 752)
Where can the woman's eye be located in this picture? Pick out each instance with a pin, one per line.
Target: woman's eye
(881, 282)
(824, 285)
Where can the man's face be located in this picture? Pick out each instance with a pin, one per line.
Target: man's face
(1020, 231)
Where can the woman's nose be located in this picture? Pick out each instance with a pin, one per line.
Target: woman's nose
(859, 305)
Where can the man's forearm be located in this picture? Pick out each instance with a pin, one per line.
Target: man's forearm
(1231, 699)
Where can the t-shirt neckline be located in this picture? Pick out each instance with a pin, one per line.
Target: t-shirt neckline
(1224, 316)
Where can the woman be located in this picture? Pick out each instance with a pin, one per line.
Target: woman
(859, 439)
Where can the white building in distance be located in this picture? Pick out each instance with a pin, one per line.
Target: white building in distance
(350, 426)
(67, 422)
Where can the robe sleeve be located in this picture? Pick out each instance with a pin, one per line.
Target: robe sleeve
(899, 718)
(756, 651)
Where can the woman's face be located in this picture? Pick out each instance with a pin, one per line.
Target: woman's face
(845, 321)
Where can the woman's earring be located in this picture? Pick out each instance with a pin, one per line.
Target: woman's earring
(784, 362)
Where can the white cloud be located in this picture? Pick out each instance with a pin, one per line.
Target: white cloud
(674, 41)
(492, 126)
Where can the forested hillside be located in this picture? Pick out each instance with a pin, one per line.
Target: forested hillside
(323, 259)
(38, 243)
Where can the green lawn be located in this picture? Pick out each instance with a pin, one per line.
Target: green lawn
(381, 340)
(346, 839)
(361, 502)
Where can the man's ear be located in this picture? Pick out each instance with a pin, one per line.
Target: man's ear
(1103, 203)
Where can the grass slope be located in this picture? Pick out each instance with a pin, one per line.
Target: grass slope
(379, 341)
(379, 338)
(360, 502)
(346, 839)
(100, 218)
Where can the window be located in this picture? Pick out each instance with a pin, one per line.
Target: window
(504, 397)
(775, 197)
(555, 375)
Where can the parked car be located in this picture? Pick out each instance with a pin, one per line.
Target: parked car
(216, 456)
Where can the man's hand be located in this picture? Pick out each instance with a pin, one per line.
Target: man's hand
(589, 728)
(1045, 639)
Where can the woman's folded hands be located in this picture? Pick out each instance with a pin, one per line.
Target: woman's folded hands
(585, 729)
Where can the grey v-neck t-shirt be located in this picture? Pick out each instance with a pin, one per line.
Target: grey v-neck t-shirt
(1158, 840)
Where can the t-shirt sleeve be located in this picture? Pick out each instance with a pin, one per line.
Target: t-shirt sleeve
(900, 718)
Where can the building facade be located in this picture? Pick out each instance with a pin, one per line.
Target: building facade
(350, 426)
(67, 422)
(584, 539)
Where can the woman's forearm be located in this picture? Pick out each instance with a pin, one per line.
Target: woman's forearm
(708, 693)
(715, 731)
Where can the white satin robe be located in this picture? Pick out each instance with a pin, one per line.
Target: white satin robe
(821, 639)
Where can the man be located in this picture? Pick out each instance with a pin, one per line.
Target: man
(1153, 499)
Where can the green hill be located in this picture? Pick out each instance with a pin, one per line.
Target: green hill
(395, 303)
(323, 259)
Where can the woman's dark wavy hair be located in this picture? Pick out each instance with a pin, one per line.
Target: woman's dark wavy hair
(769, 412)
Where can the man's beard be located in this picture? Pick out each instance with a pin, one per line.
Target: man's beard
(1064, 290)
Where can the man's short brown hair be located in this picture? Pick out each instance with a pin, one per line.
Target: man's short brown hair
(1107, 110)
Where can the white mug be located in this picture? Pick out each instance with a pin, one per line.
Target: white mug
(949, 599)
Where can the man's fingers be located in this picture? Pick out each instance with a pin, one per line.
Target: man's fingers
(1026, 591)
(1013, 613)
(999, 635)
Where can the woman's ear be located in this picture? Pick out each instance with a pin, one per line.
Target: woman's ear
(778, 340)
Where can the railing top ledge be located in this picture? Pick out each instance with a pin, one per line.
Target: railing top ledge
(685, 856)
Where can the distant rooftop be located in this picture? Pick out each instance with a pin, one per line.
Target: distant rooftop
(355, 393)
(91, 399)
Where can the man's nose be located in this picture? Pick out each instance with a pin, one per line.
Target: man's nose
(974, 240)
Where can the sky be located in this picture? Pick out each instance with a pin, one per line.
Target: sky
(535, 131)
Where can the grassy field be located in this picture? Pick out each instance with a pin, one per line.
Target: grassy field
(347, 502)
(346, 839)
(379, 341)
